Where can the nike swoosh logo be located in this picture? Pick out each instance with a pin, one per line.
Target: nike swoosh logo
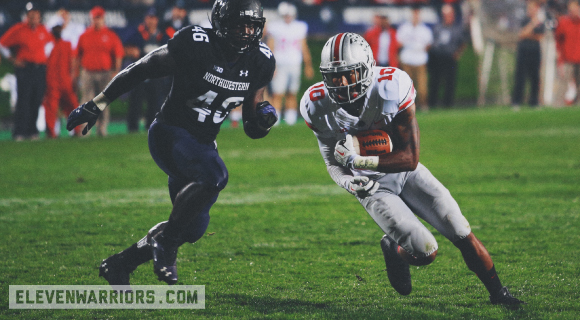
(341, 153)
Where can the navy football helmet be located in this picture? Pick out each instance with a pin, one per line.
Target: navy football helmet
(239, 22)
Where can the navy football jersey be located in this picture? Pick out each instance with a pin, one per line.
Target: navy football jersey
(205, 86)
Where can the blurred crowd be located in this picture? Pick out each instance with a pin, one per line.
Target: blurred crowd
(64, 49)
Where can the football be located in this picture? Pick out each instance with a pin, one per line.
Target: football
(372, 143)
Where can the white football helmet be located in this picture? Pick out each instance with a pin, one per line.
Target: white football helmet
(347, 55)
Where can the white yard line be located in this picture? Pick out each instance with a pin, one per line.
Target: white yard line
(158, 196)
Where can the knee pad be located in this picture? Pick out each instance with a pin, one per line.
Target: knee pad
(420, 243)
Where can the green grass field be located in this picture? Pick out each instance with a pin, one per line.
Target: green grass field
(285, 242)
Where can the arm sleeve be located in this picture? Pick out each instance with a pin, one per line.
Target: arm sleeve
(249, 118)
(156, 64)
(338, 173)
(253, 131)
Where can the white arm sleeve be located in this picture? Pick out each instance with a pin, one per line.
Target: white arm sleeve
(338, 173)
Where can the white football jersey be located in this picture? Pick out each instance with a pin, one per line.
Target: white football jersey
(288, 38)
(390, 93)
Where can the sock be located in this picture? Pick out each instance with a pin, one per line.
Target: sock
(136, 255)
(169, 235)
(490, 281)
(236, 115)
(290, 117)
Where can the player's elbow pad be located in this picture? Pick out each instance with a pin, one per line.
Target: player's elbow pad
(253, 131)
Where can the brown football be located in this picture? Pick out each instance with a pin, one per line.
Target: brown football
(372, 143)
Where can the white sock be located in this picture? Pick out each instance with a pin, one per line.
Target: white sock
(236, 115)
(290, 117)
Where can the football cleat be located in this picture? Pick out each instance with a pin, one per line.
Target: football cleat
(397, 268)
(114, 271)
(164, 259)
(505, 297)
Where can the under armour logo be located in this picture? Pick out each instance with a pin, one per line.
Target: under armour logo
(244, 73)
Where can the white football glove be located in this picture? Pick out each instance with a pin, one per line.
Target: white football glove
(363, 186)
(344, 152)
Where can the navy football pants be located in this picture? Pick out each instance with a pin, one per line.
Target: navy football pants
(184, 159)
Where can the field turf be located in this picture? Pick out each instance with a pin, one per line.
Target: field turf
(285, 242)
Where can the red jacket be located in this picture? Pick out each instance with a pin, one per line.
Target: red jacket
(58, 67)
(98, 49)
(372, 37)
(568, 39)
(28, 43)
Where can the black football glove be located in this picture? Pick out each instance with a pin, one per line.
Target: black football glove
(87, 113)
(266, 114)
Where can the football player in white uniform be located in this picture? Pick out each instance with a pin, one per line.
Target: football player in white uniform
(394, 188)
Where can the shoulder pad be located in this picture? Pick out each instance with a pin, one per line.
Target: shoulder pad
(263, 59)
(395, 84)
(315, 105)
(187, 39)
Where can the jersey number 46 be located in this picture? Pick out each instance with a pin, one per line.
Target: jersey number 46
(202, 105)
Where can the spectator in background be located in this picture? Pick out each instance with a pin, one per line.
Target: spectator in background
(24, 45)
(448, 45)
(528, 57)
(71, 31)
(416, 38)
(59, 87)
(146, 38)
(99, 53)
(178, 19)
(383, 41)
(287, 40)
(568, 50)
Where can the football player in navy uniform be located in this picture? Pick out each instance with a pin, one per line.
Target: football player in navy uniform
(214, 71)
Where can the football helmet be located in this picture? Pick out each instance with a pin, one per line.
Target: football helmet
(239, 22)
(347, 67)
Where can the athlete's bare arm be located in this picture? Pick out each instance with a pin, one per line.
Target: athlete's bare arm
(405, 138)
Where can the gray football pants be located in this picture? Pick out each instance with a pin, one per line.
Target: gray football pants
(401, 196)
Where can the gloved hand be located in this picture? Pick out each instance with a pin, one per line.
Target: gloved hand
(363, 186)
(344, 152)
(266, 114)
(87, 113)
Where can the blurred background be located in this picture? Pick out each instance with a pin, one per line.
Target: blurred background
(485, 69)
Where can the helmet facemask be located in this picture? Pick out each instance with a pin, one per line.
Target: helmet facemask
(243, 35)
(347, 67)
(346, 84)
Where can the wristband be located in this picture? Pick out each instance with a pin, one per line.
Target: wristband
(366, 163)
